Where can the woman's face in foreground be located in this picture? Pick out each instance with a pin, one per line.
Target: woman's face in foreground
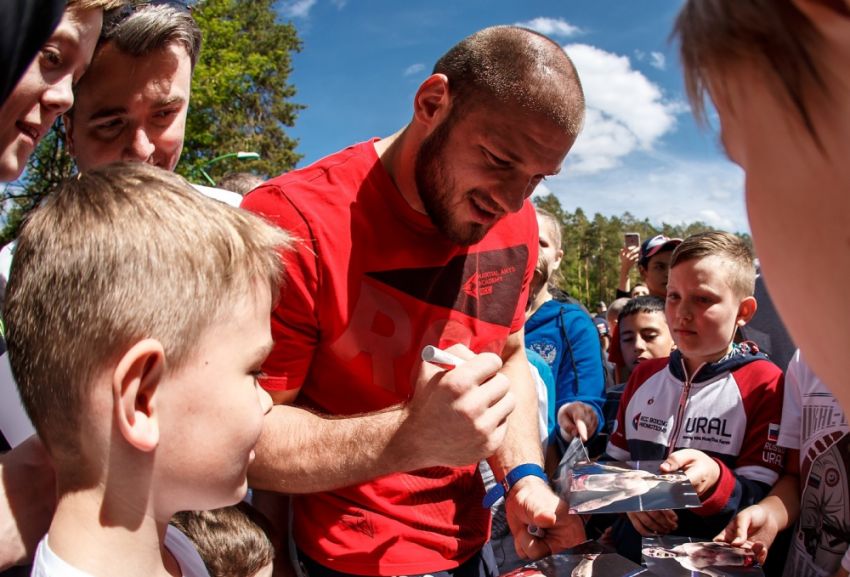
(798, 200)
(45, 90)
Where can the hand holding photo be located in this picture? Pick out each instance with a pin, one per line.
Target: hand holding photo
(670, 556)
(585, 560)
(623, 487)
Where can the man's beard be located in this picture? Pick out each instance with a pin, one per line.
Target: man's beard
(435, 186)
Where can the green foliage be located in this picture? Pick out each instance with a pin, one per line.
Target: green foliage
(241, 101)
(240, 96)
(590, 269)
(49, 165)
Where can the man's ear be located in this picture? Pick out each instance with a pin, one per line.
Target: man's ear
(69, 131)
(642, 272)
(135, 381)
(432, 101)
(746, 310)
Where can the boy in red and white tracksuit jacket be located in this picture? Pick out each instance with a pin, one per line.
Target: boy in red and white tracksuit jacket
(730, 410)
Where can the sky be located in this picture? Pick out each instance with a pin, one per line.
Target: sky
(640, 150)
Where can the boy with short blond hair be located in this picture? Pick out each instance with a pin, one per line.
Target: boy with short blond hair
(713, 408)
(138, 317)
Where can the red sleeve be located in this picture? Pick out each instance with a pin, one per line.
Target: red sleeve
(294, 323)
(532, 242)
(762, 385)
(761, 460)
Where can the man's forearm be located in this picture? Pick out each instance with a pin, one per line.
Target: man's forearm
(301, 452)
(522, 443)
(455, 418)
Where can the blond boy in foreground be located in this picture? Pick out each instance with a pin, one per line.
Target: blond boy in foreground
(713, 408)
(138, 317)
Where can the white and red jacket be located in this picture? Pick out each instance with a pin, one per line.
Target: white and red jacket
(730, 410)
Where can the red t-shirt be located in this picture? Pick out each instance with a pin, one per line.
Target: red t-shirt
(370, 284)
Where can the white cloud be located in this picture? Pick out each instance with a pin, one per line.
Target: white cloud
(657, 60)
(340, 4)
(414, 69)
(296, 8)
(555, 27)
(626, 112)
(661, 188)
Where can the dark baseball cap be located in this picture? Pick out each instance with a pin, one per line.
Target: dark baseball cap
(652, 246)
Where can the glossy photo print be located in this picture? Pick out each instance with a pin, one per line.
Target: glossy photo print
(622, 487)
(589, 559)
(670, 556)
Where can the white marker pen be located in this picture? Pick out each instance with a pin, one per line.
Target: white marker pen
(432, 354)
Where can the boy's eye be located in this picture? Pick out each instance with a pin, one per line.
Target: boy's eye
(52, 57)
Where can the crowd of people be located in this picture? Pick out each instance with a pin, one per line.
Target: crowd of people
(172, 351)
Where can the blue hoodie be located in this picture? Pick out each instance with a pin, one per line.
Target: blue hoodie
(565, 336)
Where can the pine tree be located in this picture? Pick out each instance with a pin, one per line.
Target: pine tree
(241, 101)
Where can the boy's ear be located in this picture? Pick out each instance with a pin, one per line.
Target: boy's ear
(135, 381)
(432, 102)
(557, 264)
(746, 310)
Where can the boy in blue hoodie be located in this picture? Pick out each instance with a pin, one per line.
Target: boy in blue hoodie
(713, 408)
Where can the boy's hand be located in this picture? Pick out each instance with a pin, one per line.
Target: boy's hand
(649, 523)
(577, 418)
(702, 471)
(752, 527)
(628, 257)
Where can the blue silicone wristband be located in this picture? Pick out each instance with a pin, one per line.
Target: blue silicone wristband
(503, 487)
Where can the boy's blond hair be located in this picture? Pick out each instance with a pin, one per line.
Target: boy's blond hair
(114, 256)
(735, 253)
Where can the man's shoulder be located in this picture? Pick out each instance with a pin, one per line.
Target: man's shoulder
(349, 165)
(312, 193)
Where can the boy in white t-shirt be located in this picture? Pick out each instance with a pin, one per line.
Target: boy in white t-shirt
(815, 491)
(137, 319)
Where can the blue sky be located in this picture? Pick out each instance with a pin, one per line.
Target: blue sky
(640, 150)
